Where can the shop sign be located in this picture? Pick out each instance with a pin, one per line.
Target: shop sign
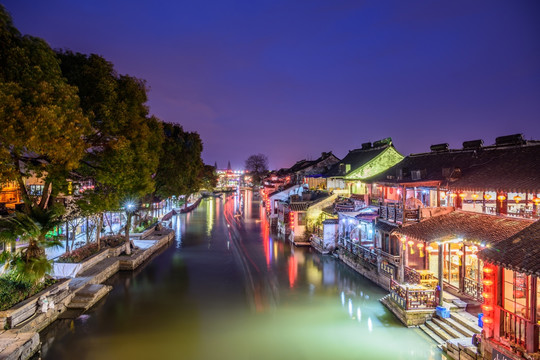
(495, 355)
(388, 269)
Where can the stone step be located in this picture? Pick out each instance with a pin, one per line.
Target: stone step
(463, 331)
(461, 349)
(438, 330)
(88, 296)
(432, 335)
(447, 327)
(467, 321)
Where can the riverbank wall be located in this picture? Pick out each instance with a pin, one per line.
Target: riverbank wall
(22, 323)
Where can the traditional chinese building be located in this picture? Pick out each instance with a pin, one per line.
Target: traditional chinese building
(511, 310)
(347, 175)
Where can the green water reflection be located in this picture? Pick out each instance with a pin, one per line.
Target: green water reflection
(228, 290)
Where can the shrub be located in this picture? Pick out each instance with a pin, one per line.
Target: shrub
(112, 241)
(84, 252)
(14, 290)
(143, 225)
(79, 254)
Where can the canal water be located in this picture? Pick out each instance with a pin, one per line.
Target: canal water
(227, 289)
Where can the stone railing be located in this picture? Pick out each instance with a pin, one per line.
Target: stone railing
(412, 298)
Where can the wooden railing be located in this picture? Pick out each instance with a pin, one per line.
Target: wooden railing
(411, 276)
(395, 213)
(513, 327)
(412, 299)
(393, 259)
(473, 288)
(362, 252)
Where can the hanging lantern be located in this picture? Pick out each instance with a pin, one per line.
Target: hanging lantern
(462, 196)
(501, 198)
(453, 195)
(517, 199)
(421, 248)
(474, 196)
(443, 195)
(536, 200)
(430, 248)
(403, 239)
(487, 196)
(411, 243)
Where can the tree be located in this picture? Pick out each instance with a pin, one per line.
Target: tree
(258, 166)
(31, 262)
(125, 145)
(42, 136)
(41, 121)
(180, 164)
(209, 177)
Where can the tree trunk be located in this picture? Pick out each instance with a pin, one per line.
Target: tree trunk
(45, 195)
(67, 237)
(33, 251)
(98, 230)
(128, 227)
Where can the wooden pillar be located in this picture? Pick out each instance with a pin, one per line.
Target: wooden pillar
(441, 274)
(438, 196)
(463, 269)
(403, 205)
(484, 202)
(531, 331)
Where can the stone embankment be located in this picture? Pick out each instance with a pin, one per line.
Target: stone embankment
(21, 323)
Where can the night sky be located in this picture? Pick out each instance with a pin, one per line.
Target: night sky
(291, 79)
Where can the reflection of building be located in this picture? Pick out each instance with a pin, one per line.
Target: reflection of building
(232, 178)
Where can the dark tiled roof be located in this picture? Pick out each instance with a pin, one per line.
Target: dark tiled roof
(385, 227)
(520, 252)
(512, 169)
(467, 225)
(509, 168)
(304, 164)
(355, 158)
(299, 206)
(331, 221)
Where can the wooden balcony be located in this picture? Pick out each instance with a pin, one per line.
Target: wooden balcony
(395, 213)
(518, 331)
(363, 253)
(412, 297)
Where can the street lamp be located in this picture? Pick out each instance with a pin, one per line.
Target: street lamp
(130, 207)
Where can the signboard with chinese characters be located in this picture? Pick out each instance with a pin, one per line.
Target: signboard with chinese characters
(388, 269)
(495, 355)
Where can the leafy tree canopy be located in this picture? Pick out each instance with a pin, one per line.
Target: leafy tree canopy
(41, 121)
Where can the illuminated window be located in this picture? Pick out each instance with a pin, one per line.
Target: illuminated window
(516, 291)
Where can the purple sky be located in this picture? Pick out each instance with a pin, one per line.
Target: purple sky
(291, 79)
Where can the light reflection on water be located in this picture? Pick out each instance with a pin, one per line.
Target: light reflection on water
(230, 290)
